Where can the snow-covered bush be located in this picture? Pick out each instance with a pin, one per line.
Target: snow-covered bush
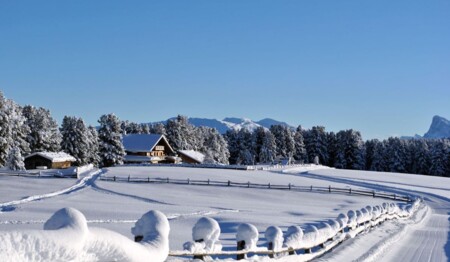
(352, 223)
(274, 235)
(310, 236)
(342, 219)
(249, 234)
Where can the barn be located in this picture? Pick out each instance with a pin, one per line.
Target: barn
(48, 160)
(148, 148)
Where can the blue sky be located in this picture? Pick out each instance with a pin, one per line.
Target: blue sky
(381, 67)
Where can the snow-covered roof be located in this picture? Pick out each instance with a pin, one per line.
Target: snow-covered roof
(143, 142)
(195, 155)
(54, 156)
(134, 158)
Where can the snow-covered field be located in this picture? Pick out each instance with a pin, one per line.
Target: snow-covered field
(26, 203)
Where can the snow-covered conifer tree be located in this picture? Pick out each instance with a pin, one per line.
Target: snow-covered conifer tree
(94, 147)
(214, 146)
(75, 139)
(44, 133)
(268, 150)
(350, 150)
(15, 159)
(110, 141)
(439, 150)
(316, 143)
(300, 150)
(181, 134)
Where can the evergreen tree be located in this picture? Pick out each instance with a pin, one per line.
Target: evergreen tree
(258, 140)
(420, 157)
(15, 159)
(181, 134)
(110, 141)
(396, 154)
(76, 139)
(379, 157)
(300, 149)
(316, 143)
(332, 148)
(94, 146)
(284, 140)
(214, 146)
(350, 150)
(158, 128)
(268, 151)
(44, 133)
(439, 150)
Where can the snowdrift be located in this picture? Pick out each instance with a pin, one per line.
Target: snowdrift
(67, 237)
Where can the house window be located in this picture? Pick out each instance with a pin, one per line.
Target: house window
(159, 148)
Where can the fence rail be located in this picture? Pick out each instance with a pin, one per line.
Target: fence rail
(292, 187)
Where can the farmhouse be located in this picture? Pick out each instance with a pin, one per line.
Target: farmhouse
(148, 148)
(50, 160)
(191, 156)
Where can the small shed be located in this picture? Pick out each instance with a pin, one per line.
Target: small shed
(191, 156)
(50, 160)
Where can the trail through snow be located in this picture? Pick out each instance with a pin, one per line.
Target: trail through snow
(426, 238)
(87, 180)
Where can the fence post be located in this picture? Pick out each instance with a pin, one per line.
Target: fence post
(395, 197)
(291, 251)
(128, 178)
(329, 189)
(189, 181)
(114, 178)
(229, 183)
(311, 188)
(350, 191)
(148, 179)
(240, 246)
(167, 180)
(373, 193)
(308, 251)
(208, 181)
(199, 256)
(270, 248)
(248, 184)
(269, 185)
(289, 186)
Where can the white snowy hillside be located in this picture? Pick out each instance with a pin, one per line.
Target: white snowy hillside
(111, 210)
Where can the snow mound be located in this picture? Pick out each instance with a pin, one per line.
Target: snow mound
(248, 233)
(66, 237)
(293, 237)
(206, 234)
(274, 235)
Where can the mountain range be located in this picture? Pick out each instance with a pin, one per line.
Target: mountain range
(235, 123)
(439, 128)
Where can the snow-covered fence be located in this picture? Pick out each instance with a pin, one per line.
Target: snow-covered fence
(292, 187)
(314, 241)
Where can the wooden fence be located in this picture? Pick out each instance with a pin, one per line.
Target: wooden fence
(292, 187)
(309, 251)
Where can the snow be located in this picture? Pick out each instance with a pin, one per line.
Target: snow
(66, 237)
(249, 234)
(54, 156)
(274, 235)
(206, 234)
(197, 156)
(424, 236)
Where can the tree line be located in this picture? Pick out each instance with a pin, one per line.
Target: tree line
(27, 129)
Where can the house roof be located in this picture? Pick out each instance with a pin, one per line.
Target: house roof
(54, 156)
(195, 155)
(143, 142)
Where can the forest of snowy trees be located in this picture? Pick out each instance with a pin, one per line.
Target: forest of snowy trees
(26, 129)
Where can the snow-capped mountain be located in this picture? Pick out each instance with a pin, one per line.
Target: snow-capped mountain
(440, 128)
(235, 123)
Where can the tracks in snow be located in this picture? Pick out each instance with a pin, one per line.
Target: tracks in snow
(81, 183)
